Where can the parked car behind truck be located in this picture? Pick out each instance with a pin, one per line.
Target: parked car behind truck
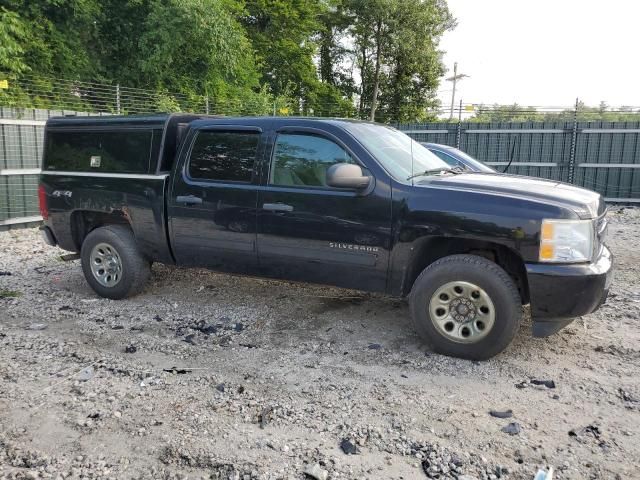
(337, 202)
(455, 157)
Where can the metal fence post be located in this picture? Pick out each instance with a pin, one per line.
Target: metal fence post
(459, 129)
(206, 104)
(118, 99)
(574, 137)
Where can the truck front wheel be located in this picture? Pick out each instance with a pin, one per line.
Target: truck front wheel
(112, 263)
(466, 306)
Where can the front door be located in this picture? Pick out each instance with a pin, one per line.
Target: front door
(311, 232)
(212, 205)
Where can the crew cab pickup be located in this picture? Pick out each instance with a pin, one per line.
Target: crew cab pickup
(338, 202)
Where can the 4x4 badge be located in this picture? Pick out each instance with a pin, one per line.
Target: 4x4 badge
(62, 193)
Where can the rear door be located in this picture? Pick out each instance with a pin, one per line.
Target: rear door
(312, 232)
(212, 204)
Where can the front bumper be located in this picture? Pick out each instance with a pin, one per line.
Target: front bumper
(559, 293)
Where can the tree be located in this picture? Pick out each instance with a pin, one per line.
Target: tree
(371, 26)
(14, 34)
(414, 61)
(397, 50)
(247, 56)
(54, 37)
(281, 34)
(194, 46)
(333, 52)
(518, 113)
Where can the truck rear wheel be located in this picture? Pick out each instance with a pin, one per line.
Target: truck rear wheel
(112, 263)
(466, 306)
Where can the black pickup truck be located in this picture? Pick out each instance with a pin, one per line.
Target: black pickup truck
(338, 202)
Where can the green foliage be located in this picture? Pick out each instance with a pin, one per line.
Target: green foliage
(396, 47)
(10, 294)
(517, 113)
(238, 56)
(176, 56)
(281, 33)
(13, 35)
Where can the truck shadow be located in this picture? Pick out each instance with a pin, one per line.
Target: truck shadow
(283, 315)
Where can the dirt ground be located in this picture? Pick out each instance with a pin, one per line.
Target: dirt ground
(213, 376)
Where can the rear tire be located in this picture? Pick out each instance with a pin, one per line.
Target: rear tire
(112, 263)
(466, 306)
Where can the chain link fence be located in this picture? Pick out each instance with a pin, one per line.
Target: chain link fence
(28, 91)
(597, 148)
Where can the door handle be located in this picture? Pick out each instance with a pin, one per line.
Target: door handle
(278, 207)
(188, 199)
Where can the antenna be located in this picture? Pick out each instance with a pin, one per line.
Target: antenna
(411, 149)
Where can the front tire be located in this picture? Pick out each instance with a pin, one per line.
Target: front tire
(466, 306)
(112, 263)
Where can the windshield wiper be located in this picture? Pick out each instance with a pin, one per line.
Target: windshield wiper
(434, 171)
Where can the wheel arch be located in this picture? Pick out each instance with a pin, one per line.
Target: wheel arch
(429, 249)
(84, 222)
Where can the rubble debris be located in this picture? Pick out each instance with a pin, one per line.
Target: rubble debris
(265, 416)
(85, 374)
(179, 371)
(544, 474)
(512, 429)
(501, 414)
(316, 472)
(546, 383)
(37, 326)
(583, 435)
(349, 447)
(626, 396)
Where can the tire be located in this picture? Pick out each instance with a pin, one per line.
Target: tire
(485, 294)
(119, 249)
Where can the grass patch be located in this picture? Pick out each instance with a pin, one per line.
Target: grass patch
(9, 294)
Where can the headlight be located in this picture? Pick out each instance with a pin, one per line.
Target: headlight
(566, 241)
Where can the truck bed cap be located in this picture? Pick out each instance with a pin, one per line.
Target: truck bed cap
(109, 120)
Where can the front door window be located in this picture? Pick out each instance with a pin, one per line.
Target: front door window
(303, 160)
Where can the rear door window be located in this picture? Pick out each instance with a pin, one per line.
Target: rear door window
(125, 151)
(224, 156)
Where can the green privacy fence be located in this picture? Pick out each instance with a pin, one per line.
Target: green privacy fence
(601, 156)
(21, 138)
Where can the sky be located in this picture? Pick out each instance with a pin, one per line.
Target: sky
(544, 52)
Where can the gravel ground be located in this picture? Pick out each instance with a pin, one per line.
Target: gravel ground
(213, 376)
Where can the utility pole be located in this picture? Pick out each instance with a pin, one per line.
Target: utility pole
(456, 76)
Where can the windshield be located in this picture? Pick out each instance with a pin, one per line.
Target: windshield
(393, 149)
(482, 167)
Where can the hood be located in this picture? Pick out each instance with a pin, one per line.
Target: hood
(585, 203)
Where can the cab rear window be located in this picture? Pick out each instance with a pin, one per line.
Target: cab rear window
(124, 151)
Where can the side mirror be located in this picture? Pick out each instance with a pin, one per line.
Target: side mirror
(347, 175)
